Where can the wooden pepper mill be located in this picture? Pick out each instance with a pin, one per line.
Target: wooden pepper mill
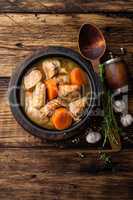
(115, 73)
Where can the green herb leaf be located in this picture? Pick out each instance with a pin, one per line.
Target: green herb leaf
(110, 128)
(101, 72)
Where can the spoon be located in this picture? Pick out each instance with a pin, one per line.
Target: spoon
(92, 44)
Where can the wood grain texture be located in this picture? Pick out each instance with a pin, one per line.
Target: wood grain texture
(21, 34)
(68, 6)
(36, 174)
(64, 162)
(32, 169)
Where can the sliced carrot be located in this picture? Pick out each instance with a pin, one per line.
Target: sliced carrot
(78, 76)
(52, 90)
(61, 119)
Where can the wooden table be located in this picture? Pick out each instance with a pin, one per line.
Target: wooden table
(31, 169)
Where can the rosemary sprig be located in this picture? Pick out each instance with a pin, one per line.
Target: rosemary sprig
(110, 129)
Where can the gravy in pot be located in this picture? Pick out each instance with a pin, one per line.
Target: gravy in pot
(55, 93)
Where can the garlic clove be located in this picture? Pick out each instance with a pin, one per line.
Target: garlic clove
(93, 137)
(119, 106)
(126, 120)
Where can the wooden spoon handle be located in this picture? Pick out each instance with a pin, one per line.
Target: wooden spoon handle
(95, 64)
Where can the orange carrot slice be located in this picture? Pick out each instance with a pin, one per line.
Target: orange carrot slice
(61, 119)
(78, 76)
(52, 90)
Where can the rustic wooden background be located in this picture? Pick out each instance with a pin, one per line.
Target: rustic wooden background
(29, 168)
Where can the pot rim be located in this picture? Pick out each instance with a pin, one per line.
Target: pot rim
(16, 79)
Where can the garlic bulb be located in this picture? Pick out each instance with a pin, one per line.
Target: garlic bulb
(119, 106)
(126, 120)
(93, 137)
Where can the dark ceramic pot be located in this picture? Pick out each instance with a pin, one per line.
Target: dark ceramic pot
(14, 94)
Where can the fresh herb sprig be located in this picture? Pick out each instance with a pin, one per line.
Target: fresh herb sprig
(110, 129)
(105, 157)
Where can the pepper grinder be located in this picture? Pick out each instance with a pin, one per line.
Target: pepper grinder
(116, 73)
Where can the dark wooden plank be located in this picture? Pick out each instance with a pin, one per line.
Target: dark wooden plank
(21, 34)
(68, 6)
(61, 162)
(48, 174)
(12, 135)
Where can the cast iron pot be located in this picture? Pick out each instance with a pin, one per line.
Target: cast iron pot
(14, 94)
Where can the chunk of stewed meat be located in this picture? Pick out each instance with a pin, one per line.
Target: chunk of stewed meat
(77, 107)
(28, 100)
(51, 67)
(33, 113)
(50, 107)
(65, 90)
(39, 95)
(31, 79)
(73, 96)
(36, 116)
